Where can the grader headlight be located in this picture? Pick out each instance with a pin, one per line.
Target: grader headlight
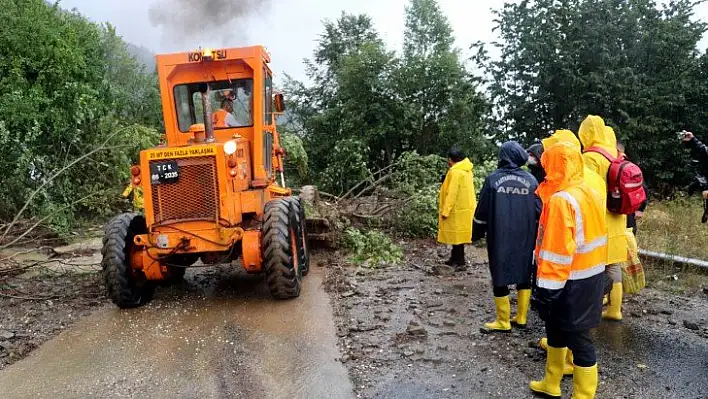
(230, 147)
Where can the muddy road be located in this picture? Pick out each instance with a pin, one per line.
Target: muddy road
(406, 331)
(413, 331)
(218, 334)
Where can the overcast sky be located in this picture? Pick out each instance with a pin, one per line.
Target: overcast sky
(289, 28)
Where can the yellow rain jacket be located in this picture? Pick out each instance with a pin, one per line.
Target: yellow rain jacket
(594, 133)
(457, 204)
(137, 192)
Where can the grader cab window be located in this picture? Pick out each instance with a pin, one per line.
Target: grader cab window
(231, 104)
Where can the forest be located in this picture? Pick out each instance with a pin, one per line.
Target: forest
(76, 106)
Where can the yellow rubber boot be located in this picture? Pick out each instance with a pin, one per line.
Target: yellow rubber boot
(543, 343)
(522, 308)
(502, 322)
(585, 382)
(568, 367)
(614, 310)
(551, 383)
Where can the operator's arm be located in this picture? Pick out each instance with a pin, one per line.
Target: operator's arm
(231, 120)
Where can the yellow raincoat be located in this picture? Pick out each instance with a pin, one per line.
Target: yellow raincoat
(137, 192)
(457, 204)
(594, 133)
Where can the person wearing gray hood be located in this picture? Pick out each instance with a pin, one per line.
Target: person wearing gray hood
(507, 213)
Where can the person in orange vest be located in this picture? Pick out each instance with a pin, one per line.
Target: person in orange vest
(594, 181)
(224, 117)
(571, 251)
(594, 133)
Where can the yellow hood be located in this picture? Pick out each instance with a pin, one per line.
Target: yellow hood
(465, 165)
(564, 168)
(561, 136)
(594, 133)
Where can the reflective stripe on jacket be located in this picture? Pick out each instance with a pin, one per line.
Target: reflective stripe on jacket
(571, 248)
(572, 238)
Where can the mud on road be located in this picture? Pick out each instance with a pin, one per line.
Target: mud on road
(414, 331)
(217, 334)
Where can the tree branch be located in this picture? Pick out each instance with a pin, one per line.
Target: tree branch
(101, 147)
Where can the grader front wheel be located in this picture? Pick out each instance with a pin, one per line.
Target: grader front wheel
(126, 287)
(282, 249)
(299, 209)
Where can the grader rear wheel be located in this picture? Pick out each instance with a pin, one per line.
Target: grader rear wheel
(127, 288)
(281, 249)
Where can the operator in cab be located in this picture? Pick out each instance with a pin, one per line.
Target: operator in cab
(224, 117)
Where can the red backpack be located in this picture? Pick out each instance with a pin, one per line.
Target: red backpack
(625, 184)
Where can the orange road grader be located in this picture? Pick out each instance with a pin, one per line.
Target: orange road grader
(214, 191)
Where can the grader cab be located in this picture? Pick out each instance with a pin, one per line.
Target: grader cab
(214, 190)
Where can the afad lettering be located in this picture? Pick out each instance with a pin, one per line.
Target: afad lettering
(197, 56)
(179, 153)
(513, 190)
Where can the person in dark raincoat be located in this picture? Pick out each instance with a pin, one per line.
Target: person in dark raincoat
(507, 213)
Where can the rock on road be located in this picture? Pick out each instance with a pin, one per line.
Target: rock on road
(217, 335)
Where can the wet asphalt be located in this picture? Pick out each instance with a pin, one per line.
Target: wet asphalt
(218, 335)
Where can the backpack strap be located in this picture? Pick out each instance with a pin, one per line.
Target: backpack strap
(602, 152)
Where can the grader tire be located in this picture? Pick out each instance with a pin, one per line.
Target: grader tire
(126, 288)
(281, 250)
(299, 208)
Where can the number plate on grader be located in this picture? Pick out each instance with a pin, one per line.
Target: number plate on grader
(164, 172)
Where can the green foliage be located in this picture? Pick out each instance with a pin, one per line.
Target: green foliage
(414, 172)
(419, 216)
(346, 168)
(633, 62)
(481, 171)
(371, 248)
(67, 86)
(368, 106)
(296, 159)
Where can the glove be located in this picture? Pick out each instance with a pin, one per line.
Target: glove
(542, 301)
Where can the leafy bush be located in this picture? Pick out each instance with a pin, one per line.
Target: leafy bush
(68, 88)
(371, 248)
(347, 168)
(296, 159)
(481, 171)
(419, 217)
